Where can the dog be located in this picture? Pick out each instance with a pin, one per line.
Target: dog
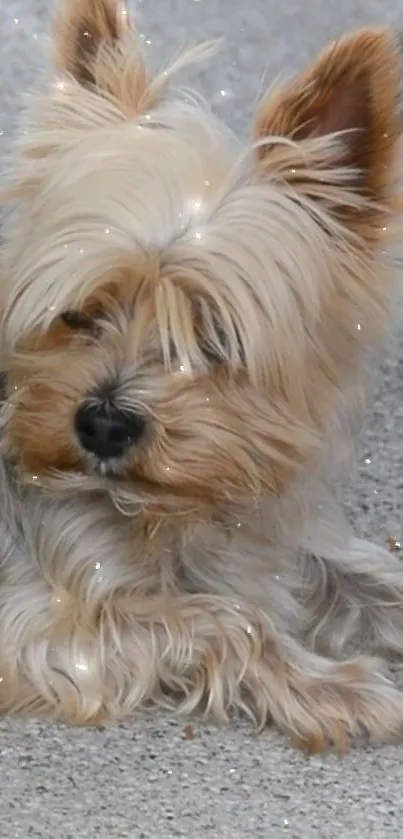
(186, 325)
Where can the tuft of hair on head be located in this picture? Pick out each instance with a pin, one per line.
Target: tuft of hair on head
(343, 117)
(95, 44)
(99, 78)
(81, 27)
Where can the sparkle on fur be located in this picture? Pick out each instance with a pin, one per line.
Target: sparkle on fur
(184, 325)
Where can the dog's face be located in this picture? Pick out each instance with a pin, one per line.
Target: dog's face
(178, 317)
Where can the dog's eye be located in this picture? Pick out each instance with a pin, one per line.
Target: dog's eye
(217, 349)
(77, 320)
(213, 353)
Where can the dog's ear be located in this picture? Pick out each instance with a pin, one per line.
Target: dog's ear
(354, 88)
(82, 28)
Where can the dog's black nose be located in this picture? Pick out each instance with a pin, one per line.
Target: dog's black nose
(106, 431)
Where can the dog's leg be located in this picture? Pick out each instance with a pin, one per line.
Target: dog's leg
(214, 653)
(233, 656)
(191, 652)
(319, 701)
(353, 591)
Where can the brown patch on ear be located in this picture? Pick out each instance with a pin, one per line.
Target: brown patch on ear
(353, 87)
(81, 30)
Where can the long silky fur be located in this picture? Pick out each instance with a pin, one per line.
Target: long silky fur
(214, 570)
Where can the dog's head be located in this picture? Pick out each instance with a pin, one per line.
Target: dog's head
(179, 315)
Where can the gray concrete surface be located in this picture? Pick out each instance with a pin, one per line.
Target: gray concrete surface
(144, 780)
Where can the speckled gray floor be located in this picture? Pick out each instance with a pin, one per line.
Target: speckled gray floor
(144, 780)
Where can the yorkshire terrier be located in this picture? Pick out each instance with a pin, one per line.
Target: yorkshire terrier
(185, 332)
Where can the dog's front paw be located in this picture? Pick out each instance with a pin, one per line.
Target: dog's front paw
(353, 699)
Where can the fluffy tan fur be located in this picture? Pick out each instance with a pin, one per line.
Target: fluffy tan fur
(227, 296)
